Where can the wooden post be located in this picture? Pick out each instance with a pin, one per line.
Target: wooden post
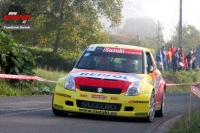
(189, 112)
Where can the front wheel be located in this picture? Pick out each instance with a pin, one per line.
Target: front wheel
(57, 112)
(151, 109)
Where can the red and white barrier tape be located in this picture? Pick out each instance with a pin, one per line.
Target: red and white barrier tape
(45, 80)
(27, 77)
(24, 77)
(180, 84)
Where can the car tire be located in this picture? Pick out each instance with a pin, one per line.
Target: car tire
(160, 113)
(58, 113)
(152, 108)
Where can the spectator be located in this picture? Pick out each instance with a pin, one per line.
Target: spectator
(191, 50)
(175, 49)
(175, 62)
(169, 59)
(189, 60)
(185, 64)
(164, 58)
(181, 65)
(180, 54)
(195, 67)
(172, 49)
(159, 59)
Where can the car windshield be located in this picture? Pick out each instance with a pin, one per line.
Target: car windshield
(112, 59)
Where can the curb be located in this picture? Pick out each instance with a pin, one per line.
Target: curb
(165, 127)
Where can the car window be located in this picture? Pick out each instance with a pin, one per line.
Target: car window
(113, 60)
(149, 59)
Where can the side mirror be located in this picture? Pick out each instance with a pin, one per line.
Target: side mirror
(150, 69)
(74, 62)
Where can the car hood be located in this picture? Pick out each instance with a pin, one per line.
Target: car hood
(105, 79)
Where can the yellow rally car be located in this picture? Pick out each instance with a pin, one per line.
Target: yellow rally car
(112, 79)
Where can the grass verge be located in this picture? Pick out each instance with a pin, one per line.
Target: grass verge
(181, 125)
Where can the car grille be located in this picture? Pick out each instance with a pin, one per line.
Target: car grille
(98, 105)
(104, 90)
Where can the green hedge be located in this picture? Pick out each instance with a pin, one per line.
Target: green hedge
(54, 61)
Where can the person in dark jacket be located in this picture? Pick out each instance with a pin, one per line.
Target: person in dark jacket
(175, 60)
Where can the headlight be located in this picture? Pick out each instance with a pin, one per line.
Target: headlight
(70, 83)
(133, 89)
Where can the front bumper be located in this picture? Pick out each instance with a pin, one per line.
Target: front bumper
(101, 104)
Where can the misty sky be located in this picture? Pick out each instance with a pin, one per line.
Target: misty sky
(166, 11)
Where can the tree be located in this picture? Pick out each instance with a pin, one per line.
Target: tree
(144, 27)
(74, 23)
(191, 37)
(15, 58)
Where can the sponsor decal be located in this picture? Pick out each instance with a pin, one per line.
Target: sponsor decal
(122, 50)
(91, 48)
(103, 75)
(84, 95)
(99, 96)
(140, 101)
(141, 113)
(114, 50)
(58, 106)
(106, 76)
(114, 98)
(101, 106)
(102, 112)
(61, 94)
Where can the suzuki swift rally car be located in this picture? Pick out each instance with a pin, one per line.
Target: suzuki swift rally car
(112, 79)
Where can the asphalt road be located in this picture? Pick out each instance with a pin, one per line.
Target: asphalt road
(32, 114)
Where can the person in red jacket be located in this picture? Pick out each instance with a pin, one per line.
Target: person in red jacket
(185, 64)
(172, 49)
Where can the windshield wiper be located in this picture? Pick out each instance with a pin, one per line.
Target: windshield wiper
(83, 68)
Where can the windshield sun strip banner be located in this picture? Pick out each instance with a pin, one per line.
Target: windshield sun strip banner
(122, 51)
(115, 50)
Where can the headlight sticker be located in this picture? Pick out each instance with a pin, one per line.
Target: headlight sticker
(60, 84)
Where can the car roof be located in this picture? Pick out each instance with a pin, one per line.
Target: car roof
(122, 46)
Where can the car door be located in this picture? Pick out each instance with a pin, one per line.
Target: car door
(154, 75)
